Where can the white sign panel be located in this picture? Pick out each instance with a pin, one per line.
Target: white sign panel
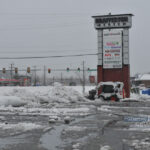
(112, 49)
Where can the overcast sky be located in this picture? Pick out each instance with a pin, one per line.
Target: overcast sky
(63, 27)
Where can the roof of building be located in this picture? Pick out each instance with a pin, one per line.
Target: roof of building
(143, 77)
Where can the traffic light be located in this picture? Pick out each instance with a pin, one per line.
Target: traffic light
(88, 69)
(4, 70)
(28, 69)
(78, 69)
(67, 69)
(16, 70)
(49, 70)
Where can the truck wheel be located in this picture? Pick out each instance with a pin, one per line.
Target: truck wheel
(114, 98)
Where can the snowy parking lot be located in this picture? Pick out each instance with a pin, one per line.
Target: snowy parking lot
(58, 117)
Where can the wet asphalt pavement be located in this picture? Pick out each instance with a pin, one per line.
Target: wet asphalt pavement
(104, 125)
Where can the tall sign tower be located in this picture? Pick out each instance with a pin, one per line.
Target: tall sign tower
(113, 48)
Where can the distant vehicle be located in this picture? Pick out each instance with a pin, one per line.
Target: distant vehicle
(72, 84)
(135, 90)
(113, 91)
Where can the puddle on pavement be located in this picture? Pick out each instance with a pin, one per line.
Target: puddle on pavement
(51, 140)
(4, 142)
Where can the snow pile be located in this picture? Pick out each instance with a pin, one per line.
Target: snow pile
(11, 101)
(63, 94)
(35, 96)
(25, 94)
(140, 97)
(144, 97)
(134, 96)
(80, 88)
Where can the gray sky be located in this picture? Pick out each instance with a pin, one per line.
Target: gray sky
(62, 27)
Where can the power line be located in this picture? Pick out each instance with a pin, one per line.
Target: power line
(55, 56)
(43, 27)
(43, 51)
(47, 14)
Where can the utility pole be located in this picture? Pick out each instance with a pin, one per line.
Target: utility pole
(35, 76)
(44, 82)
(61, 78)
(83, 78)
(53, 80)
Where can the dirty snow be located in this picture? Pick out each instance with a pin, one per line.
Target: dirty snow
(11, 100)
(144, 126)
(104, 108)
(138, 144)
(35, 96)
(60, 94)
(140, 97)
(82, 111)
(55, 103)
(75, 128)
(23, 126)
(106, 147)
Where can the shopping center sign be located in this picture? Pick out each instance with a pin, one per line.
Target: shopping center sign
(112, 49)
(113, 21)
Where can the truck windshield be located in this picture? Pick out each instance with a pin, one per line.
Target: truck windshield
(107, 89)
